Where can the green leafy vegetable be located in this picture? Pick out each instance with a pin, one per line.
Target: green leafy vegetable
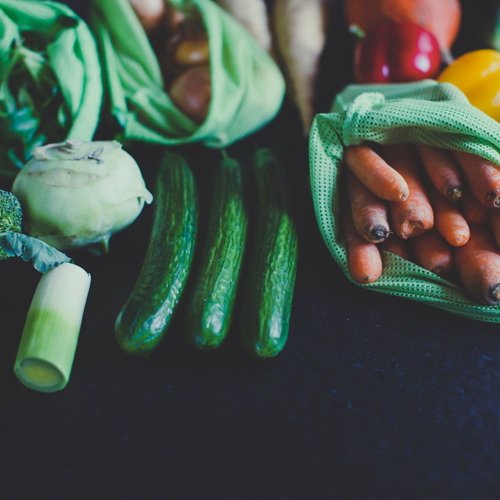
(43, 257)
(32, 108)
(15, 244)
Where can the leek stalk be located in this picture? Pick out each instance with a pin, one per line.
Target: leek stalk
(50, 335)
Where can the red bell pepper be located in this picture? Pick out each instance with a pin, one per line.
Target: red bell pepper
(396, 52)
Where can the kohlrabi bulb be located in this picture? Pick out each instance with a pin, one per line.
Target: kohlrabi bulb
(76, 193)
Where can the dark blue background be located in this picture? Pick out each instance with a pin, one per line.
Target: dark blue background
(373, 397)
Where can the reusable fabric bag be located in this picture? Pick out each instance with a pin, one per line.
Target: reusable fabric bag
(247, 88)
(51, 86)
(427, 112)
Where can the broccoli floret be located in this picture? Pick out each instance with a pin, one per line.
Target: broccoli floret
(11, 216)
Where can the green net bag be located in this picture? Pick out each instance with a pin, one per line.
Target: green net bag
(51, 86)
(427, 112)
(247, 88)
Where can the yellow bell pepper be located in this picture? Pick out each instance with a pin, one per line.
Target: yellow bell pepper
(477, 75)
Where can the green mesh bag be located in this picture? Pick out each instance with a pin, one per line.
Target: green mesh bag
(51, 79)
(247, 88)
(426, 112)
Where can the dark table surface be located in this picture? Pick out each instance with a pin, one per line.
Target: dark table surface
(373, 397)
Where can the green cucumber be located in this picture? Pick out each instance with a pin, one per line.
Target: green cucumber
(210, 307)
(272, 262)
(143, 320)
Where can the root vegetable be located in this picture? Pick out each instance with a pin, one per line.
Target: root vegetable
(300, 30)
(449, 221)
(397, 246)
(431, 252)
(482, 177)
(413, 216)
(478, 263)
(191, 92)
(192, 52)
(376, 175)
(475, 214)
(443, 171)
(363, 257)
(368, 212)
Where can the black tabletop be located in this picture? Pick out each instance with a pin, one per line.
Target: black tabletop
(373, 396)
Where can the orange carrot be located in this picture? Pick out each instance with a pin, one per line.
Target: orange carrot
(431, 252)
(478, 263)
(414, 215)
(449, 221)
(483, 178)
(475, 214)
(368, 212)
(494, 223)
(442, 170)
(396, 245)
(374, 172)
(363, 257)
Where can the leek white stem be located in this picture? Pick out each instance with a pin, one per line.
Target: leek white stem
(48, 344)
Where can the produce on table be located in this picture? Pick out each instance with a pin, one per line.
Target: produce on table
(200, 77)
(439, 17)
(477, 75)
(300, 31)
(432, 246)
(79, 193)
(253, 15)
(396, 52)
(210, 304)
(143, 320)
(48, 343)
(426, 113)
(51, 79)
(268, 282)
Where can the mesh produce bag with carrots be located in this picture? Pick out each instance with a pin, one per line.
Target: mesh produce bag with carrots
(418, 113)
(51, 79)
(236, 84)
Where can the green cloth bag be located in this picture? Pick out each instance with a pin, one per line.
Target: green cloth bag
(247, 86)
(427, 112)
(51, 79)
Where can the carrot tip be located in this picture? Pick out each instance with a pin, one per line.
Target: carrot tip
(494, 294)
(379, 234)
(455, 193)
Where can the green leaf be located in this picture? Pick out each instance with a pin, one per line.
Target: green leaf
(43, 256)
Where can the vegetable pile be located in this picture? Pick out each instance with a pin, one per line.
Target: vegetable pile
(214, 270)
(436, 208)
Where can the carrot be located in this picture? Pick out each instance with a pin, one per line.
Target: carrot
(449, 221)
(363, 257)
(483, 178)
(478, 263)
(442, 170)
(252, 14)
(300, 34)
(414, 215)
(396, 245)
(475, 214)
(374, 172)
(494, 223)
(151, 13)
(431, 252)
(368, 212)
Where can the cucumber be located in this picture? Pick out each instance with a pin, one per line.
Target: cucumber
(213, 292)
(271, 268)
(143, 320)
